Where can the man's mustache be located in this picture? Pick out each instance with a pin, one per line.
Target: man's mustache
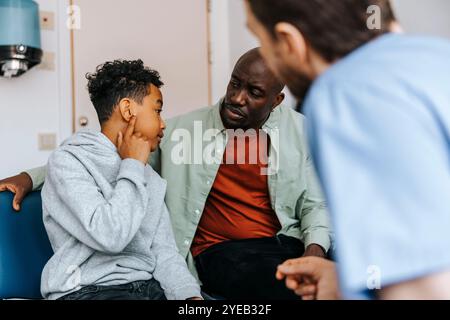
(235, 109)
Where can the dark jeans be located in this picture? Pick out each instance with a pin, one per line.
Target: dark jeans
(139, 290)
(245, 269)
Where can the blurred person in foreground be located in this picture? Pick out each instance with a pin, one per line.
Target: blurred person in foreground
(379, 130)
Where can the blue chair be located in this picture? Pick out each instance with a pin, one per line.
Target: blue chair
(24, 247)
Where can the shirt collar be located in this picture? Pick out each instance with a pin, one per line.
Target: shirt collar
(217, 119)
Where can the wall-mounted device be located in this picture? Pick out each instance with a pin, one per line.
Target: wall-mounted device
(20, 37)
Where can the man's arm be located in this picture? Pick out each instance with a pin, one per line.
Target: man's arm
(22, 184)
(313, 278)
(314, 218)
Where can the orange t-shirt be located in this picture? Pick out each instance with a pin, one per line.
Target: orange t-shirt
(238, 206)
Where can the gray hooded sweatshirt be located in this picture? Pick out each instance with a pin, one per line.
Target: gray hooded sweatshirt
(107, 222)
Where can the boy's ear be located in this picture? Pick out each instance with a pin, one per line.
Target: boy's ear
(126, 109)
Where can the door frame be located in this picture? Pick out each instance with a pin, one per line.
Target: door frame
(219, 47)
(65, 71)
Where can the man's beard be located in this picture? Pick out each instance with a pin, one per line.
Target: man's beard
(299, 86)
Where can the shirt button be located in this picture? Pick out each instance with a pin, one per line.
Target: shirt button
(208, 182)
(197, 212)
(186, 242)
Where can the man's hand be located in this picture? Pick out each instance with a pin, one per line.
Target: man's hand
(314, 250)
(133, 145)
(20, 185)
(311, 278)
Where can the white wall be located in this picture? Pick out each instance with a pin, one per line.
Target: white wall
(220, 47)
(424, 17)
(241, 40)
(37, 102)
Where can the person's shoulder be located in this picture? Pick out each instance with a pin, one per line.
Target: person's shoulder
(291, 117)
(386, 56)
(290, 112)
(61, 165)
(65, 155)
(154, 181)
(292, 124)
(380, 64)
(423, 41)
(61, 157)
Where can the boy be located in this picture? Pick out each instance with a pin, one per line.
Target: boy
(104, 207)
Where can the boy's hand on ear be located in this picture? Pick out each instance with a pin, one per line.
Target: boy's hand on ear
(133, 145)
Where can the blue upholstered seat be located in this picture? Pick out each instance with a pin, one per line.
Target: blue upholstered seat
(24, 247)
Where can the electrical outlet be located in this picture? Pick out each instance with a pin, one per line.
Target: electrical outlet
(47, 141)
(48, 61)
(47, 19)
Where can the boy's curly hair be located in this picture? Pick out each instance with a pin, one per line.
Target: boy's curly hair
(119, 79)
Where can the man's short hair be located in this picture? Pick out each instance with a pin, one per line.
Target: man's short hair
(334, 28)
(119, 79)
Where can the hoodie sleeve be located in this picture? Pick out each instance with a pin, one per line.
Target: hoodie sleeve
(171, 270)
(74, 201)
(37, 175)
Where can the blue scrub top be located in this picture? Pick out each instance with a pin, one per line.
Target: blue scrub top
(379, 132)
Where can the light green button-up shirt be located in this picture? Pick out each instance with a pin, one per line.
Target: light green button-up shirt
(189, 158)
